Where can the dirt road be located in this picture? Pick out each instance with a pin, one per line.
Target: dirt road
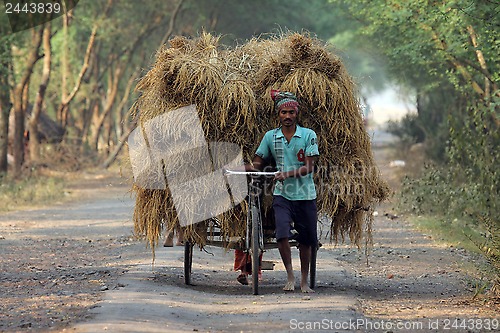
(76, 267)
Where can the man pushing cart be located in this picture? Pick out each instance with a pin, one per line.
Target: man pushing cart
(295, 150)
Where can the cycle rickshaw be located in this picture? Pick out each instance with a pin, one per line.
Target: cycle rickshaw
(254, 241)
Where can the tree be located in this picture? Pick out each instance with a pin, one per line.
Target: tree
(118, 51)
(37, 108)
(99, 48)
(19, 97)
(5, 105)
(445, 48)
(62, 111)
(449, 52)
(427, 42)
(125, 133)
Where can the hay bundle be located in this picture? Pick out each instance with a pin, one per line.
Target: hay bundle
(230, 89)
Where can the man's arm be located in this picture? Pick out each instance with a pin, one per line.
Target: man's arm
(258, 161)
(302, 171)
(256, 165)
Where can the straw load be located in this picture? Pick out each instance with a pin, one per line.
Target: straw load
(230, 89)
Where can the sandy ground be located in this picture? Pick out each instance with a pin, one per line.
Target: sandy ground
(76, 267)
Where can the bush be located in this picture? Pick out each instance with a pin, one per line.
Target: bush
(411, 129)
(468, 186)
(408, 129)
(438, 191)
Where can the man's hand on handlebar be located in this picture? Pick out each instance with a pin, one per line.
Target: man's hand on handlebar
(280, 176)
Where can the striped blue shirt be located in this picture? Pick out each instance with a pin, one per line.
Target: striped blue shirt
(290, 156)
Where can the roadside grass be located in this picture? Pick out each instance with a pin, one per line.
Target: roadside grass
(30, 192)
(462, 235)
(48, 185)
(454, 213)
(453, 232)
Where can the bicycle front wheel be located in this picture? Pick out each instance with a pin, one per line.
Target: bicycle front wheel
(255, 249)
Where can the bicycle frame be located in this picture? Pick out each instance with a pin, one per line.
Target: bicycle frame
(254, 240)
(254, 213)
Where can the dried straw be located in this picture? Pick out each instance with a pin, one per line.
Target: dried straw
(230, 88)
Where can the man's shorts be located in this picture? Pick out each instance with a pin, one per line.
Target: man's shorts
(303, 214)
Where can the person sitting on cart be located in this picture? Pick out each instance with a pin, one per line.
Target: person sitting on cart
(243, 263)
(295, 151)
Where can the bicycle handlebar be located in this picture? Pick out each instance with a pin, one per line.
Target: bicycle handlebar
(251, 173)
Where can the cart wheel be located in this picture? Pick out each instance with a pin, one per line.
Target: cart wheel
(255, 251)
(188, 262)
(312, 267)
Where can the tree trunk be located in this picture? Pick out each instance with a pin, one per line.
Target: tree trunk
(92, 109)
(63, 110)
(34, 143)
(17, 98)
(91, 100)
(64, 66)
(4, 129)
(110, 101)
(125, 134)
(120, 110)
(5, 68)
(121, 142)
(108, 132)
(171, 22)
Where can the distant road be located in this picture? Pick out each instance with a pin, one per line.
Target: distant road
(380, 137)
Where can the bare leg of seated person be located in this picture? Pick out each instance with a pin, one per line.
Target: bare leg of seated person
(169, 239)
(240, 263)
(180, 237)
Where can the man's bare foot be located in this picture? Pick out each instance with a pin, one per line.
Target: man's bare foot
(306, 289)
(289, 286)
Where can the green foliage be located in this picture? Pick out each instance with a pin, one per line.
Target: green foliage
(408, 129)
(456, 232)
(474, 153)
(433, 47)
(448, 51)
(241, 20)
(490, 248)
(464, 210)
(368, 69)
(439, 191)
(412, 129)
(468, 187)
